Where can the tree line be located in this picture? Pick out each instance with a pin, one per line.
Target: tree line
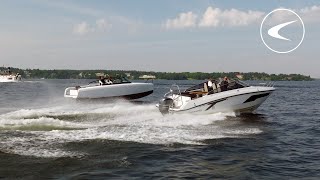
(91, 74)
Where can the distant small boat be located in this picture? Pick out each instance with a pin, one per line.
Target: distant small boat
(7, 76)
(147, 77)
(10, 78)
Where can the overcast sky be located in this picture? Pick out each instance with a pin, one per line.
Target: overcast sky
(166, 35)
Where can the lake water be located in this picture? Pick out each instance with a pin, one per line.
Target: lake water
(43, 135)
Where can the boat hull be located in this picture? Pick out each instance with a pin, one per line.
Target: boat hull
(9, 78)
(244, 100)
(125, 90)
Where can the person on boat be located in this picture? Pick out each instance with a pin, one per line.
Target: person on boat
(102, 81)
(9, 71)
(210, 85)
(109, 80)
(224, 84)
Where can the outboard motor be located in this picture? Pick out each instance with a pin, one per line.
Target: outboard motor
(164, 105)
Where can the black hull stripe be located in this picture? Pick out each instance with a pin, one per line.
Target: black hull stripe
(255, 97)
(131, 96)
(222, 99)
(214, 103)
(139, 95)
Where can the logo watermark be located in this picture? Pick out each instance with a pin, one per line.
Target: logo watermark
(282, 30)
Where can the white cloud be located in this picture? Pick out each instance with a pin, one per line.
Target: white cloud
(82, 28)
(184, 20)
(215, 17)
(310, 14)
(210, 17)
(279, 16)
(103, 25)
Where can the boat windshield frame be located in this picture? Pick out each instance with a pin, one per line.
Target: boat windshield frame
(232, 84)
(120, 80)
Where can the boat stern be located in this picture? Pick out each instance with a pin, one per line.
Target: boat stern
(71, 92)
(164, 105)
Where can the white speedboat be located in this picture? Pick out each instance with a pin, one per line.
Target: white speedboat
(120, 88)
(8, 76)
(236, 97)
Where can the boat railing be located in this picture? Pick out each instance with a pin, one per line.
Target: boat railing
(171, 92)
(269, 84)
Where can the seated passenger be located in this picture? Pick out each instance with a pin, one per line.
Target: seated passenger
(9, 71)
(224, 84)
(102, 81)
(210, 85)
(109, 81)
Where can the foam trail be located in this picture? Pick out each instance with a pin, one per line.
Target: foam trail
(26, 146)
(121, 121)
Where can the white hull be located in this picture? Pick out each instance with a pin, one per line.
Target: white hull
(125, 90)
(229, 101)
(10, 78)
(241, 100)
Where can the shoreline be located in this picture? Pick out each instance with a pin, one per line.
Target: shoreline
(134, 75)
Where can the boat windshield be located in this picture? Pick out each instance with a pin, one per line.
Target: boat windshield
(217, 87)
(120, 80)
(197, 87)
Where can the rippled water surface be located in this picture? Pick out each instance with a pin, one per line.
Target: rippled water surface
(43, 135)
